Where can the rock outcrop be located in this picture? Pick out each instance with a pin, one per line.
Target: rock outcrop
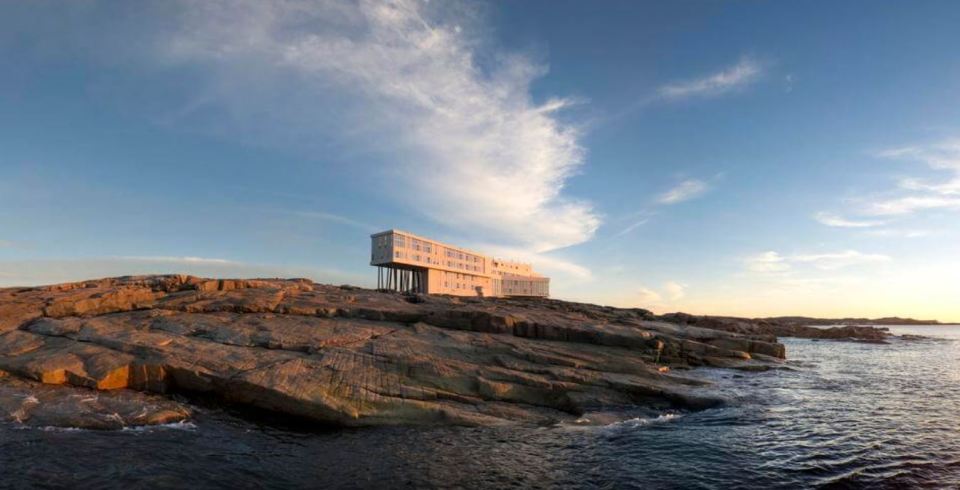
(846, 332)
(37, 405)
(770, 329)
(348, 356)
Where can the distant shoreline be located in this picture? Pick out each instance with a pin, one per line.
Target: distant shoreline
(853, 321)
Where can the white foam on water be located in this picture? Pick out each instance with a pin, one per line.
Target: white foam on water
(645, 421)
(602, 421)
(182, 425)
(52, 428)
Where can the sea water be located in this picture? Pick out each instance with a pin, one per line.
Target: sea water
(842, 415)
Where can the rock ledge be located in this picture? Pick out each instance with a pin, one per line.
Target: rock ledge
(346, 356)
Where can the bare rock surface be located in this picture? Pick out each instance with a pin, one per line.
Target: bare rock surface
(37, 405)
(771, 328)
(349, 356)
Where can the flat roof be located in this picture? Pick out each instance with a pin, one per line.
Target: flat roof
(438, 242)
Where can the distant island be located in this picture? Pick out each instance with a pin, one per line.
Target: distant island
(850, 321)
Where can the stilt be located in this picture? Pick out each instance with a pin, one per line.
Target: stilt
(403, 280)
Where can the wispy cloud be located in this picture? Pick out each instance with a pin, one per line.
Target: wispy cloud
(675, 290)
(839, 260)
(5, 243)
(547, 263)
(948, 188)
(902, 233)
(920, 194)
(912, 204)
(741, 74)
(767, 262)
(884, 213)
(647, 296)
(666, 296)
(830, 219)
(684, 191)
(636, 220)
(943, 155)
(336, 218)
(177, 260)
(633, 226)
(788, 81)
(772, 262)
(468, 145)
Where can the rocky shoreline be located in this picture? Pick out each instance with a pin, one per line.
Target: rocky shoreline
(109, 353)
(790, 328)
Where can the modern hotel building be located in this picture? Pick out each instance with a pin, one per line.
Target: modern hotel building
(407, 262)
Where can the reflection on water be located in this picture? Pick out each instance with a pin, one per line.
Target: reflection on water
(846, 415)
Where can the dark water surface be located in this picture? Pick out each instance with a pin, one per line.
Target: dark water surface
(849, 415)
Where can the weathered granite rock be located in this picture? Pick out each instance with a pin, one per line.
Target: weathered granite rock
(38, 405)
(846, 332)
(768, 330)
(350, 356)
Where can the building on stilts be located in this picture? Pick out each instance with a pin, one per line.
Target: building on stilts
(410, 263)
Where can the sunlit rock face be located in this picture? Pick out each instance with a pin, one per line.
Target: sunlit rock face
(346, 356)
(34, 404)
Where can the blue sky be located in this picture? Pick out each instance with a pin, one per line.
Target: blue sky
(714, 157)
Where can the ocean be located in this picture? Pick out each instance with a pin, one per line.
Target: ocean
(839, 415)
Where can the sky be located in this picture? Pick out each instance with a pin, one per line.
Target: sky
(736, 158)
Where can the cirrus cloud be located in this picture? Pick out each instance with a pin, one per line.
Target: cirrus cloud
(921, 194)
(839, 260)
(833, 220)
(177, 260)
(743, 73)
(772, 262)
(684, 191)
(666, 296)
(469, 146)
(675, 290)
(767, 262)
